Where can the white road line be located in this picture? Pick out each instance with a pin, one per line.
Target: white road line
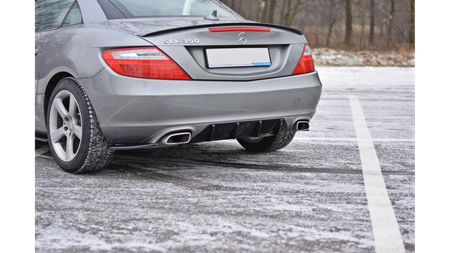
(385, 228)
(352, 139)
(41, 150)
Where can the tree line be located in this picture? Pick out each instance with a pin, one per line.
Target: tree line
(383, 25)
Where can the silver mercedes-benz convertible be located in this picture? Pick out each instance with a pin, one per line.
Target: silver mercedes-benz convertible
(128, 74)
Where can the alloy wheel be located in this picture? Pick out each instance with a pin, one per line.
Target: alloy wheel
(65, 125)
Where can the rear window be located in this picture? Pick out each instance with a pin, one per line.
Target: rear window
(49, 14)
(155, 8)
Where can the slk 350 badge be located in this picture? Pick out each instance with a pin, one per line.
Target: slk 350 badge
(182, 41)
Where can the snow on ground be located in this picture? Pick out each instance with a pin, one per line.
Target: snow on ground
(332, 57)
(366, 76)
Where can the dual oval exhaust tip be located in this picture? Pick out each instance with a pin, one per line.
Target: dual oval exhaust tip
(176, 139)
(301, 126)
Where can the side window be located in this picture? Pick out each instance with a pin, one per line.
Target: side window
(74, 16)
(50, 13)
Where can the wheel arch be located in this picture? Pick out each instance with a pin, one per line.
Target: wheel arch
(51, 86)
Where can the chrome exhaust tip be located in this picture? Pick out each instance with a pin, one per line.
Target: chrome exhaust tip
(176, 139)
(301, 126)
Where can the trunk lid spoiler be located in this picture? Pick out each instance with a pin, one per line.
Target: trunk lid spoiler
(156, 26)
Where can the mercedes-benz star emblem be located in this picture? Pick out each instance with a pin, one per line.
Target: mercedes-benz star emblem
(242, 38)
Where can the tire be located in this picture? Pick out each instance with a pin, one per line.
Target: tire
(74, 135)
(269, 143)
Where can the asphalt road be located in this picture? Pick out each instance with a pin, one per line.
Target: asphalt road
(311, 196)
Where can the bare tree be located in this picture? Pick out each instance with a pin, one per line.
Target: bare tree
(262, 7)
(330, 13)
(293, 11)
(282, 14)
(348, 24)
(411, 10)
(390, 41)
(271, 11)
(363, 19)
(372, 23)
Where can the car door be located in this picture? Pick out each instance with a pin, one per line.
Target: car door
(47, 17)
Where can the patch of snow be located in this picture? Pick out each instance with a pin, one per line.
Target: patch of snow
(332, 57)
(366, 76)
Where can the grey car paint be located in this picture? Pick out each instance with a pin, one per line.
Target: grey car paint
(138, 111)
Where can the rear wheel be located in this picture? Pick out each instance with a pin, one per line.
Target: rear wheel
(269, 143)
(76, 140)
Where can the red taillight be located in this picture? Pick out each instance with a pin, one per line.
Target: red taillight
(239, 29)
(306, 63)
(143, 62)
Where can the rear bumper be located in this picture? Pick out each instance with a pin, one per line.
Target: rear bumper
(138, 111)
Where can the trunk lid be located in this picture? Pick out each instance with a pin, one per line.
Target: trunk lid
(238, 51)
(245, 50)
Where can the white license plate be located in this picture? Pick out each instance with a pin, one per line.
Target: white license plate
(238, 57)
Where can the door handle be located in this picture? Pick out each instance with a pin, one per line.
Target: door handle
(36, 51)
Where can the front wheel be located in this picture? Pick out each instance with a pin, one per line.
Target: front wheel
(269, 143)
(75, 138)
